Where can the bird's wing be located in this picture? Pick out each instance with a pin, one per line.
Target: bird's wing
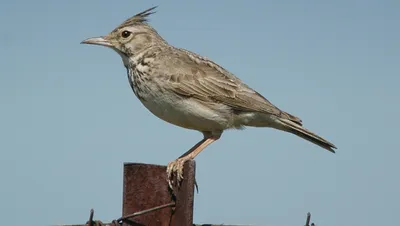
(197, 77)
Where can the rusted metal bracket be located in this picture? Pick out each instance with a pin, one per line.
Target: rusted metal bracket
(148, 200)
(145, 187)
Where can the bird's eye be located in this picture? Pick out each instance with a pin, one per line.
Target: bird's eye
(126, 34)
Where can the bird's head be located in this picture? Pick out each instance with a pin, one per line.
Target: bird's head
(132, 36)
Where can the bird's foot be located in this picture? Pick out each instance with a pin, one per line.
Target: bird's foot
(175, 172)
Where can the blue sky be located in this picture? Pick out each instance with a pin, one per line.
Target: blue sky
(68, 115)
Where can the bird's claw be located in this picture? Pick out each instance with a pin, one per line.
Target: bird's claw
(175, 172)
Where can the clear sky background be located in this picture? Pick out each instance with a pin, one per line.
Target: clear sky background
(69, 118)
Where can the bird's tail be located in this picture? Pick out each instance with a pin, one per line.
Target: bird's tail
(302, 132)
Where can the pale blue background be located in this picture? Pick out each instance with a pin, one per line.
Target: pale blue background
(69, 118)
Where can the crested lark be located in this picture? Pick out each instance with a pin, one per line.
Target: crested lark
(191, 91)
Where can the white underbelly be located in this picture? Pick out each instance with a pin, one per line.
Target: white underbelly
(187, 113)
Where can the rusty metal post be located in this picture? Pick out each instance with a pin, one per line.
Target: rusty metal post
(183, 214)
(145, 186)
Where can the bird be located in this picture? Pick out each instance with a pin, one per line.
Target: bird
(192, 91)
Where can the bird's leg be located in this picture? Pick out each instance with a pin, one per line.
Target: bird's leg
(175, 168)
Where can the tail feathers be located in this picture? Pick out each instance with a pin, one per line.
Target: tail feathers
(302, 132)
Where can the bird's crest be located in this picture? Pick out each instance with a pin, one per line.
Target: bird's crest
(139, 18)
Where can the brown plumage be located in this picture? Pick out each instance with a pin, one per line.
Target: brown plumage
(191, 91)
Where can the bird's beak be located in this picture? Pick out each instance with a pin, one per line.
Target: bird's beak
(97, 41)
